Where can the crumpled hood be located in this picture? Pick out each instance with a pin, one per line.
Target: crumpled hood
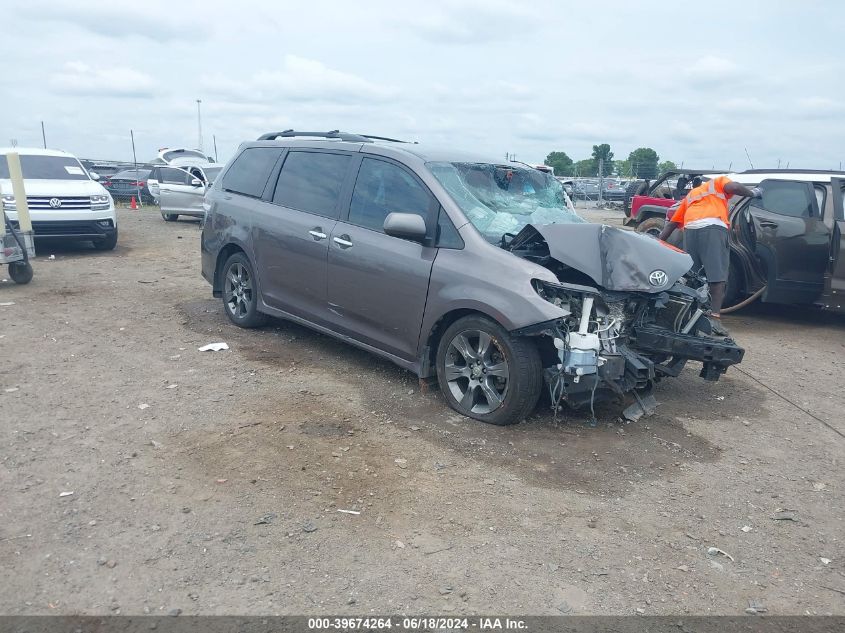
(614, 258)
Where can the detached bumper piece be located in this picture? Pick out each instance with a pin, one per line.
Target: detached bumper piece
(716, 354)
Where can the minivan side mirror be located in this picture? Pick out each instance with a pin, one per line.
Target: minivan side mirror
(196, 182)
(94, 175)
(408, 226)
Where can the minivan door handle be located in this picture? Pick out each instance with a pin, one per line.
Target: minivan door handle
(768, 224)
(317, 233)
(343, 241)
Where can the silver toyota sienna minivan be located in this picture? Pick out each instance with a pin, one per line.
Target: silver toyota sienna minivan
(454, 266)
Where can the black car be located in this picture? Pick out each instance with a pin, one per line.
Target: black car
(130, 182)
(787, 247)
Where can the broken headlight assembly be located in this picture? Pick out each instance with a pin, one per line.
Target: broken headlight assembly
(586, 332)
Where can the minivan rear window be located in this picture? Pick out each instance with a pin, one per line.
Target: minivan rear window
(249, 173)
(311, 182)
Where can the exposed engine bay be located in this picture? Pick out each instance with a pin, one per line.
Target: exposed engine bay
(633, 314)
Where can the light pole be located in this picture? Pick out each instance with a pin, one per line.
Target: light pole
(199, 125)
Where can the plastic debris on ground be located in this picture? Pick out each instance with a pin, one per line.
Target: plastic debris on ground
(213, 347)
(715, 551)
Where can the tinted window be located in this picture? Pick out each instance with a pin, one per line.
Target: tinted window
(820, 198)
(249, 173)
(382, 188)
(447, 234)
(842, 205)
(311, 182)
(174, 176)
(46, 168)
(787, 198)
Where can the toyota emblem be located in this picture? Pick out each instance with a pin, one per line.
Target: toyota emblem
(657, 278)
(55, 203)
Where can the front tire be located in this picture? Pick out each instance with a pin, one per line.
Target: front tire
(170, 217)
(486, 374)
(20, 272)
(240, 293)
(108, 243)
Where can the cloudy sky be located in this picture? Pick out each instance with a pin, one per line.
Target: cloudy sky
(698, 85)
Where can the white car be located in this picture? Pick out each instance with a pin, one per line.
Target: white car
(64, 201)
(176, 156)
(180, 190)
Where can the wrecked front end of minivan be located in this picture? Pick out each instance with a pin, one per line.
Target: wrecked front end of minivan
(633, 314)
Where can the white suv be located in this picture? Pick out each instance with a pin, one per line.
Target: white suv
(64, 202)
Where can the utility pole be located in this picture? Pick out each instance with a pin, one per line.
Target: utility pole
(43, 135)
(749, 157)
(199, 125)
(601, 179)
(214, 137)
(135, 160)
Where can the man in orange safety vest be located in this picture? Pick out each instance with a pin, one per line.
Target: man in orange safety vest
(703, 214)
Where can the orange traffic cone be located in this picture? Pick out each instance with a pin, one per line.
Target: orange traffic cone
(133, 205)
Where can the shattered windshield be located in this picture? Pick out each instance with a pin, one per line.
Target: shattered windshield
(502, 199)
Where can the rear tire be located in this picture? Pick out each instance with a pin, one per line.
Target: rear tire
(108, 243)
(652, 226)
(20, 272)
(170, 217)
(240, 292)
(486, 374)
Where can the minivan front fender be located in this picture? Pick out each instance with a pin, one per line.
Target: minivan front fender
(493, 283)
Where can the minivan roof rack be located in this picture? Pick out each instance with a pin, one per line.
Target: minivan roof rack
(334, 134)
(384, 138)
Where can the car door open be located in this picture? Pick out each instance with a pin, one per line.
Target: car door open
(834, 291)
(173, 190)
(786, 233)
(378, 283)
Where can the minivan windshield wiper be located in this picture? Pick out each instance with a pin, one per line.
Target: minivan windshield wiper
(501, 199)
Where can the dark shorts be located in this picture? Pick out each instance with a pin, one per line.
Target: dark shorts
(711, 254)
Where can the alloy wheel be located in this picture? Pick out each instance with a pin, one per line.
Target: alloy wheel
(477, 371)
(238, 290)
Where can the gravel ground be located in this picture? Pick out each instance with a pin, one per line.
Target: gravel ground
(140, 475)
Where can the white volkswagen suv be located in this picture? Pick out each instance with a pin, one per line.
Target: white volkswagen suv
(64, 202)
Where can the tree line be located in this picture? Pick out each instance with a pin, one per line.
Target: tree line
(643, 162)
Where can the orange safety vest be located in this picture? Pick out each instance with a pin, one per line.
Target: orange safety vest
(708, 200)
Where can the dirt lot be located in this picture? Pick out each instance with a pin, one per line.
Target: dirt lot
(213, 482)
